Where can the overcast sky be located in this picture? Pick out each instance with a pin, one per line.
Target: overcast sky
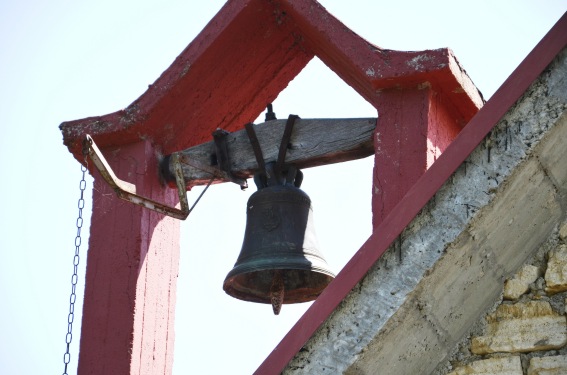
(65, 60)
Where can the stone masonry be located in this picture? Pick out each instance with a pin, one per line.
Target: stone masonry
(526, 333)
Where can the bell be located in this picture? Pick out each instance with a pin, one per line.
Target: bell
(279, 261)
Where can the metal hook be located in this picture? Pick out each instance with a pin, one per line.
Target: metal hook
(127, 191)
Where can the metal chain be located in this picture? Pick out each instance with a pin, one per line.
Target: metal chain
(74, 278)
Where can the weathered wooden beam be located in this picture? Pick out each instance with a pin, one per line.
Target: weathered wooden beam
(313, 142)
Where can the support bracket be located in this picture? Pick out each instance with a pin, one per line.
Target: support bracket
(127, 191)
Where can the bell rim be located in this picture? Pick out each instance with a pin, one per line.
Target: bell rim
(236, 289)
(246, 266)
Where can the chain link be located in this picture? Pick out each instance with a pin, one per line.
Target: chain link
(74, 278)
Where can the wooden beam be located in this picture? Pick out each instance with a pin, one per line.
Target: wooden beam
(313, 142)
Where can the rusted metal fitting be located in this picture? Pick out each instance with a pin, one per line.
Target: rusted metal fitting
(127, 191)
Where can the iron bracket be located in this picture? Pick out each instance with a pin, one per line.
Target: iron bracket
(127, 191)
(223, 158)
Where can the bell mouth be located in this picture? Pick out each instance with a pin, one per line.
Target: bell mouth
(299, 285)
(279, 262)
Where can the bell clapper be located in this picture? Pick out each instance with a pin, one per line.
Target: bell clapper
(277, 292)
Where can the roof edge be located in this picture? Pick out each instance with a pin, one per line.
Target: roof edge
(418, 196)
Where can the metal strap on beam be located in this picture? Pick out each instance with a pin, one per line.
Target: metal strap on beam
(127, 191)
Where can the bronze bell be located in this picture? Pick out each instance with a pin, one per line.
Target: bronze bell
(279, 261)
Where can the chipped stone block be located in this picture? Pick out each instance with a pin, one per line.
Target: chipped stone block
(522, 327)
(496, 366)
(520, 283)
(556, 273)
(556, 365)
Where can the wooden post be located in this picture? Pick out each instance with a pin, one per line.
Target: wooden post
(131, 276)
(413, 129)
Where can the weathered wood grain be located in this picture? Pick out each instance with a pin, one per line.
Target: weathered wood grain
(313, 142)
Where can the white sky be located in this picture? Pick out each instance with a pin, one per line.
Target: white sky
(65, 60)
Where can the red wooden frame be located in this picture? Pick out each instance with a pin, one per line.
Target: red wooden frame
(256, 48)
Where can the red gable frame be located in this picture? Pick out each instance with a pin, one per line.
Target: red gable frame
(248, 54)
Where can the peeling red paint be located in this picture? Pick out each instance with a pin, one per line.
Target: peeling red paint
(414, 127)
(132, 267)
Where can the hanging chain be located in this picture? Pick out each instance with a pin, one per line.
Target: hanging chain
(74, 278)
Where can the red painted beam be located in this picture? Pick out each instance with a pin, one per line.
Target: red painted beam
(131, 276)
(413, 128)
(242, 59)
(417, 197)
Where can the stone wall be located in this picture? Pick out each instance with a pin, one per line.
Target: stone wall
(526, 332)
